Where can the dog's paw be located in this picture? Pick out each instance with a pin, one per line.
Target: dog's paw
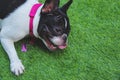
(17, 68)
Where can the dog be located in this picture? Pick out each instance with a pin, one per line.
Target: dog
(49, 23)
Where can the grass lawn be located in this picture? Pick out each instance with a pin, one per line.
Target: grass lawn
(93, 52)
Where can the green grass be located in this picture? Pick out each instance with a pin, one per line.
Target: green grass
(93, 52)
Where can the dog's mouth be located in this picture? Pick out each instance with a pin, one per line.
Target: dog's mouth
(52, 47)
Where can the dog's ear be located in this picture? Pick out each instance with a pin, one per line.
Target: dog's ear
(65, 7)
(50, 5)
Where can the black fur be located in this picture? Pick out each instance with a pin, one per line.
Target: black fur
(8, 6)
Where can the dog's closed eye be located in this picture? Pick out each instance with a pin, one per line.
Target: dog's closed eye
(58, 18)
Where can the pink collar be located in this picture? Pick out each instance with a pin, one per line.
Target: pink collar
(32, 14)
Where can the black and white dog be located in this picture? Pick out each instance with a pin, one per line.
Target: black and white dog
(50, 24)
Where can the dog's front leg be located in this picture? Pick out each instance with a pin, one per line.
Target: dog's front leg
(15, 64)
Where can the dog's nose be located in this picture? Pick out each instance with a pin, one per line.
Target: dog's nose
(64, 37)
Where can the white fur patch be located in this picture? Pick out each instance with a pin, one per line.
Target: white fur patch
(58, 40)
(16, 27)
(65, 23)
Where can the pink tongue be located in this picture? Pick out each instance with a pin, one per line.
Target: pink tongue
(62, 47)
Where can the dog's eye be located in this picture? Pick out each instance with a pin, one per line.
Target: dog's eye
(58, 18)
(61, 22)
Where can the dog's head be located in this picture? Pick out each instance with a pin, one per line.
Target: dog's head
(54, 26)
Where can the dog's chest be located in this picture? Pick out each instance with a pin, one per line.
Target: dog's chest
(18, 21)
